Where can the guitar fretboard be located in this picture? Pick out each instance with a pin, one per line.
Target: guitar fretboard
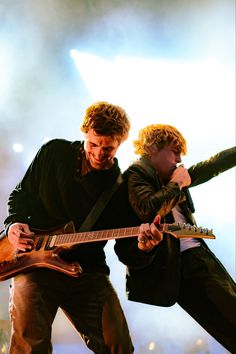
(178, 230)
(91, 236)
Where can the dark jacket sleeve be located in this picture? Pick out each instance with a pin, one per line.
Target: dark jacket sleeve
(24, 200)
(147, 197)
(145, 200)
(128, 253)
(127, 248)
(205, 170)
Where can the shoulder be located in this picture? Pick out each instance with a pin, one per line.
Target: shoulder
(58, 150)
(141, 166)
(60, 145)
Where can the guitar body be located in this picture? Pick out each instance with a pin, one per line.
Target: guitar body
(14, 262)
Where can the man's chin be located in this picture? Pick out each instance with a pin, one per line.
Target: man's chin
(98, 165)
(105, 165)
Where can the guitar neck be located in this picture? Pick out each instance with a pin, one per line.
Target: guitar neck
(177, 230)
(93, 236)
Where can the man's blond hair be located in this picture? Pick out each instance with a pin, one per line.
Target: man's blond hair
(159, 135)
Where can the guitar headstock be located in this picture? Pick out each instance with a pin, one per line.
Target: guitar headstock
(181, 230)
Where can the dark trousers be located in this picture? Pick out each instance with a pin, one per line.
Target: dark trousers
(208, 294)
(89, 302)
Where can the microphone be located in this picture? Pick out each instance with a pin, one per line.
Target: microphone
(188, 196)
(189, 199)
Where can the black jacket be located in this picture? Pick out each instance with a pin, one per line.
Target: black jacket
(53, 192)
(158, 283)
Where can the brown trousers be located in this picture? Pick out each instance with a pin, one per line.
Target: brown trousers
(89, 302)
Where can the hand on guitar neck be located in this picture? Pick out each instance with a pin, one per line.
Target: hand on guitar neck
(150, 235)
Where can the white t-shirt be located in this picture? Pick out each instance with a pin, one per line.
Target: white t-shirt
(185, 243)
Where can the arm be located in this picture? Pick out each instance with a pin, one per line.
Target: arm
(205, 170)
(25, 204)
(146, 195)
(23, 199)
(36, 200)
(140, 252)
(22, 204)
(148, 198)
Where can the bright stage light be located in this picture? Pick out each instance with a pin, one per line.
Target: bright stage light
(99, 74)
(17, 147)
(184, 90)
(151, 346)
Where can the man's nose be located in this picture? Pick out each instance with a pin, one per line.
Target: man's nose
(99, 153)
(178, 159)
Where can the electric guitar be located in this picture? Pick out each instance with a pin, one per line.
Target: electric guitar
(48, 245)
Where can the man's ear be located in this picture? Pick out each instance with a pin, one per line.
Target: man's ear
(153, 149)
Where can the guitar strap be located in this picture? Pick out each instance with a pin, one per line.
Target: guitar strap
(99, 206)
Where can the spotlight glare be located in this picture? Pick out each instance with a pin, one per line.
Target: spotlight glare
(73, 53)
(17, 147)
(151, 346)
(199, 342)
